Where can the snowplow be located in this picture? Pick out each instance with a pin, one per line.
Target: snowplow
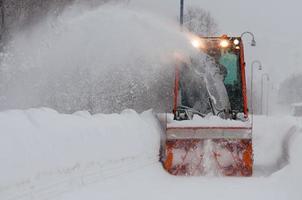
(209, 131)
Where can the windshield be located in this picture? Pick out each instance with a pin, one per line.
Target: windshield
(215, 77)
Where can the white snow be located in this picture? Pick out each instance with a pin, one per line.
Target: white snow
(105, 59)
(47, 155)
(41, 145)
(297, 104)
(213, 121)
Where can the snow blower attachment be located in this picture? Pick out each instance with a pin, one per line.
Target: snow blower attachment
(209, 132)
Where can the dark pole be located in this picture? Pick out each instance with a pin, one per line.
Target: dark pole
(181, 19)
(2, 19)
(267, 96)
(262, 95)
(267, 79)
(252, 73)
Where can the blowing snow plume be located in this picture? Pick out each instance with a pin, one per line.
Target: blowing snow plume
(101, 60)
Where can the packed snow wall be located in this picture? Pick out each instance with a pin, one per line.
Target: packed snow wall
(39, 146)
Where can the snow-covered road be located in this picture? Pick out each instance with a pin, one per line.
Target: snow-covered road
(47, 155)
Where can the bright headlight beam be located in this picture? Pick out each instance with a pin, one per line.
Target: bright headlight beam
(224, 43)
(196, 43)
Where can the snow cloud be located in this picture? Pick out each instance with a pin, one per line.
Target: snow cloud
(102, 60)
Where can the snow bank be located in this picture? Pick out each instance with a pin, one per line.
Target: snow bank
(44, 154)
(272, 139)
(275, 139)
(40, 144)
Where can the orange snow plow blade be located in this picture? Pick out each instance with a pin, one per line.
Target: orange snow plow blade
(219, 151)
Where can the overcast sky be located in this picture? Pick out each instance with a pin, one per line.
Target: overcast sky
(274, 23)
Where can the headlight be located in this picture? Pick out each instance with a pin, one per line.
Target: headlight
(236, 41)
(197, 43)
(224, 43)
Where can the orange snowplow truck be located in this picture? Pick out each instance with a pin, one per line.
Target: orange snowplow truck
(209, 131)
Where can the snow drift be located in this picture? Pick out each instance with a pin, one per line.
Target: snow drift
(41, 144)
